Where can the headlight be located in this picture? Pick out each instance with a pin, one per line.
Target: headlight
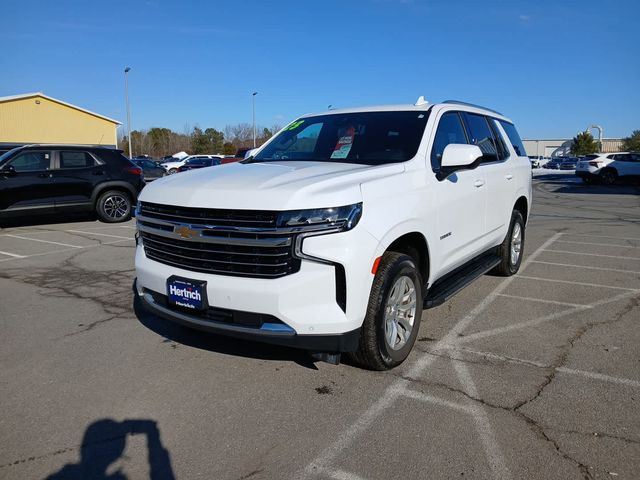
(319, 219)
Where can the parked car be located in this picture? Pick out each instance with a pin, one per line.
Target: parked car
(340, 229)
(151, 170)
(38, 179)
(568, 163)
(535, 161)
(172, 167)
(607, 168)
(199, 162)
(5, 147)
(554, 163)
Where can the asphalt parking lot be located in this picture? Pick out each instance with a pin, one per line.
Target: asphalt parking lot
(536, 376)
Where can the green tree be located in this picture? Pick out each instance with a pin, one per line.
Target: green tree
(209, 141)
(632, 143)
(229, 148)
(584, 144)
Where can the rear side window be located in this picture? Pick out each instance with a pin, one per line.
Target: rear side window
(514, 138)
(75, 159)
(450, 130)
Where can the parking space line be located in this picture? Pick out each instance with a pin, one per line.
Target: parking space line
(43, 241)
(13, 255)
(99, 234)
(587, 267)
(483, 424)
(597, 244)
(602, 236)
(342, 475)
(542, 300)
(594, 254)
(351, 433)
(571, 282)
(547, 318)
(423, 397)
(19, 257)
(570, 371)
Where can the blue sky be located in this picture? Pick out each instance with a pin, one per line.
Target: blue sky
(554, 67)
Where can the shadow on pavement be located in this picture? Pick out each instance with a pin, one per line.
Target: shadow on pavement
(104, 442)
(573, 185)
(218, 343)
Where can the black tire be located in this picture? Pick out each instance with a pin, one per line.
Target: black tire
(374, 352)
(608, 176)
(172, 171)
(114, 206)
(507, 267)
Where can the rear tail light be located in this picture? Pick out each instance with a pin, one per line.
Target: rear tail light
(133, 170)
(593, 163)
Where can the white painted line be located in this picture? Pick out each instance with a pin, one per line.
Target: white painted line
(570, 371)
(483, 425)
(542, 300)
(342, 475)
(601, 236)
(547, 318)
(571, 282)
(18, 257)
(351, 433)
(600, 376)
(13, 255)
(597, 244)
(594, 254)
(587, 267)
(44, 241)
(99, 234)
(423, 397)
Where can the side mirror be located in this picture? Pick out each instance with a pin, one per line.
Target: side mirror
(458, 156)
(8, 171)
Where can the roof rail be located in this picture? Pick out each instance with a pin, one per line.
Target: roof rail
(457, 102)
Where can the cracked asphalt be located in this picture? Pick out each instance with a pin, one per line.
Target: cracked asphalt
(536, 376)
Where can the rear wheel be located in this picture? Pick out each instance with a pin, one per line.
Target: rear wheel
(393, 316)
(114, 206)
(510, 250)
(608, 176)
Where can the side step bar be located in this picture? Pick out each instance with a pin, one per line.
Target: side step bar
(456, 280)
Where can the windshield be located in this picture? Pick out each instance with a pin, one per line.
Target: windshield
(6, 155)
(369, 138)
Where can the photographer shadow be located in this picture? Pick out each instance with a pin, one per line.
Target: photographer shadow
(104, 442)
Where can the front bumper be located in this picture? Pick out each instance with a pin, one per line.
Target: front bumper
(307, 303)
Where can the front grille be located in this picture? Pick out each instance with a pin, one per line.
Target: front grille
(224, 242)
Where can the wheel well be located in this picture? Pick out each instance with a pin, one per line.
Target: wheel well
(414, 245)
(521, 206)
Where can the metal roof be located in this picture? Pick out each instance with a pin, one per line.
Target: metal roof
(40, 94)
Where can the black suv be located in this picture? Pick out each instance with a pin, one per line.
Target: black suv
(36, 179)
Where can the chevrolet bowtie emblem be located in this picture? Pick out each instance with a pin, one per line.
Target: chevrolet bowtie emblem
(185, 232)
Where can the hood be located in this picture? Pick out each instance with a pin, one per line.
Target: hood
(267, 186)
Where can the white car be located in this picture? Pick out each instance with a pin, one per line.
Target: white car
(172, 167)
(339, 230)
(607, 168)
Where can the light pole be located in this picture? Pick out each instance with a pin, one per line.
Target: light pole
(126, 99)
(253, 97)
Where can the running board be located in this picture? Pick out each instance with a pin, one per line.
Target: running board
(456, 280)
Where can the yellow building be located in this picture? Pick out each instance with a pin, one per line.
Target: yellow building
(37, 118)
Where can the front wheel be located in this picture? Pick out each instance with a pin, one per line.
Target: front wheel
(510, 250)
(608, 176)
(114, 206)
(393, 316)
(172, 171)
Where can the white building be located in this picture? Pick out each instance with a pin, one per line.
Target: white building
(562, 146)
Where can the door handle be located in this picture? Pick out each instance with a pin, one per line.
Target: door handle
(478, 183)
(509, 177)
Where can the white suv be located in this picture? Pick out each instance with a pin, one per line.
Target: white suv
(607, 168)
(337, 232)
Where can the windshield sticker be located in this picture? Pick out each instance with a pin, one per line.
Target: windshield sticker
(345, 142)
(294, 125)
